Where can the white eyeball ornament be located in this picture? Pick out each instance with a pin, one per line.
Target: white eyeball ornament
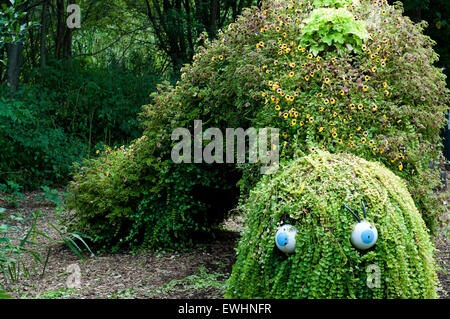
(285, 238)
(364, 234)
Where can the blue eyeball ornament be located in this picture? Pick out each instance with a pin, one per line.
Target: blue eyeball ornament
(364, 234)
(285, 238)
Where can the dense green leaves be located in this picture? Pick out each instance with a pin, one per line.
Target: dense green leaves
(66, 113)
(385, 103)
(309, 193)
(328, 27)
(135, 196)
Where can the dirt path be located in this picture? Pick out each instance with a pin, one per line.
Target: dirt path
(200, 272)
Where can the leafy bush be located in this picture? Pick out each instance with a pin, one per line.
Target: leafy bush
(33, 150)
(128, 196)
(62, 115)
(383, 101)
(309, 193)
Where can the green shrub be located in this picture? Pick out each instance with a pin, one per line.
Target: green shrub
(129, 197)
(309, 193)
(62, 115)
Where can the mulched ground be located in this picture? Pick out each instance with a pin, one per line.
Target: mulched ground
(200, 272)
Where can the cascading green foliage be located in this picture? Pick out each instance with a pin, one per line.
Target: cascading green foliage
(309, 193)
(380, 99)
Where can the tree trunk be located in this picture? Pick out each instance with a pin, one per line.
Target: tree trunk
(15, 58)
(44, 31)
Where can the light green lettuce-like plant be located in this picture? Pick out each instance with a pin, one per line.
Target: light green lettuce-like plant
(331, 3)
(327, 27)
(309, 194)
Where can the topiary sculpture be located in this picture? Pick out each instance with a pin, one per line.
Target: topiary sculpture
(309, 194)
(336, 75)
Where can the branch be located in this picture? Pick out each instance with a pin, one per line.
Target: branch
(111, 44)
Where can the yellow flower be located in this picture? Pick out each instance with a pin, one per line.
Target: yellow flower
(332, 101)
(310, 56)
(400, 167)
(374, 107)
(360, 106)
(285, 115)
(220, 57)
(277, 107)
(321, 129)
(291, 74)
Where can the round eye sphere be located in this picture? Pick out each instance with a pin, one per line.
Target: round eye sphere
(364, 235)
(285, 238)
